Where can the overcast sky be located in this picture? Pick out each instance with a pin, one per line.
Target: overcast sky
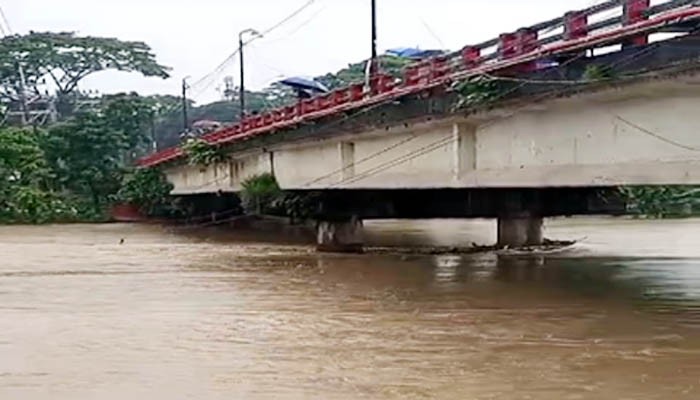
(194, 36)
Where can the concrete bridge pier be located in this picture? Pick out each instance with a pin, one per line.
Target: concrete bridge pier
(344, 236)
(520, 230)
(520, 219)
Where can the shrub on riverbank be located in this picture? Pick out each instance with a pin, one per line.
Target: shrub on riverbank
(662, 201)
(149, 190)
(261, 194)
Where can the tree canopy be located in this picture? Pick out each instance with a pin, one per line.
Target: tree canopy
(62, 60)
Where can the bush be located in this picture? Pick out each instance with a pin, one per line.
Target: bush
(148, 189)
(200, 152)
(662, 201)
(476, 91)
(260, 194)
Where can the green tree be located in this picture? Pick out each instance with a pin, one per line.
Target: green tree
(86, 153)
(202, 153)
(21, 158)
(134, 116)
(355, 73)
(149, 190)
(260, 194)
(24, 176)
(64, 60)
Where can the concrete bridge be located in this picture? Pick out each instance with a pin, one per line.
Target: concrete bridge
(540, 126)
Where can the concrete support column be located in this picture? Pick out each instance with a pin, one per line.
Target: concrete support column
(520, 218)
(340, 236)
(520, 230)
(464, 150)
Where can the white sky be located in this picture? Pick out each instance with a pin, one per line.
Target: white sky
(194, 36)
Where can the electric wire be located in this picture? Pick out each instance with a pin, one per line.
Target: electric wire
(212, 76)
(655, 135)
(5, 21)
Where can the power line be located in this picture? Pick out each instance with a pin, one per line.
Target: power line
(212, 76)
(4, 19)
(297, 28)
(432, 33)
(656, 135)
(288, 18)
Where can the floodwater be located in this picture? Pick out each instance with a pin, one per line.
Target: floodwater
(215, 315)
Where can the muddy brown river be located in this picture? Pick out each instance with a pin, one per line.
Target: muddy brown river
(173, 314)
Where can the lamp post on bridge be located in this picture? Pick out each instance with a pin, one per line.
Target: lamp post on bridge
(255, 34)
(373, 65)
(185, 119)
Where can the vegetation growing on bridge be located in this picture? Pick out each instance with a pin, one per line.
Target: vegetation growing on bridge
(598, 72)
(476, 91)
(202, 153)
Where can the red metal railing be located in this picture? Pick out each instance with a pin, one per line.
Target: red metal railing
(518, 50)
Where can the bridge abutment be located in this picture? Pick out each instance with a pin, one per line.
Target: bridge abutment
(344, 236)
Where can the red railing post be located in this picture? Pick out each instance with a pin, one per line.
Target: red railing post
(357, 92)
(575, 25)
(438, 67)
(634, 11)
(471, 56)
(508, 45)
(410, 75)
(527, 43)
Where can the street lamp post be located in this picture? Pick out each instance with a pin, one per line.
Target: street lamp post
(185, 119)
(240, 53)
(374, 37)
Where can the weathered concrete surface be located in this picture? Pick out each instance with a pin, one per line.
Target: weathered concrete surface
(226, 177)
(639, 134)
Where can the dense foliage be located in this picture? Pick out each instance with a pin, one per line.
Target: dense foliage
(149, 190)
(662, 201)
(260, 194)
(74, 169)
(60, 61)
(26, 181)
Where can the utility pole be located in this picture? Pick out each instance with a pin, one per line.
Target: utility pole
(185, 120)
(242, 88)
(24, 111)
(154, 140)
(240, 54)
(373, 66)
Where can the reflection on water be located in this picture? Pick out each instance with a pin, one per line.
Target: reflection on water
(218, 315)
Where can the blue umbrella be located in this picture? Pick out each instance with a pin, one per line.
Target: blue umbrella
(305, 87)
(413, 53)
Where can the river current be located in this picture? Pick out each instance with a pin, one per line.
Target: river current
(212, 314)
